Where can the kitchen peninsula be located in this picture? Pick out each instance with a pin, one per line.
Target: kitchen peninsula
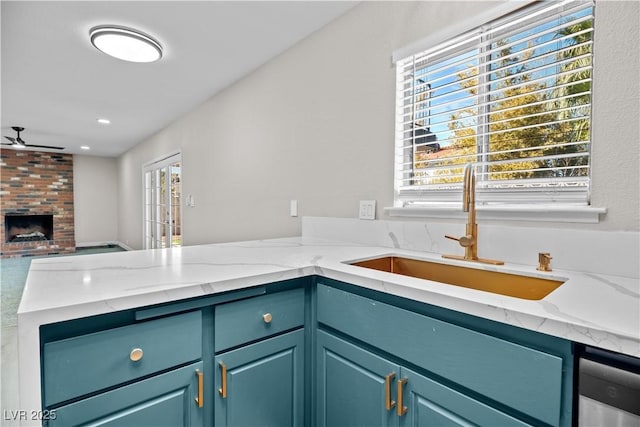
(599, 310)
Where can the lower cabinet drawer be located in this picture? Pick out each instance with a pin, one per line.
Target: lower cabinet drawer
(522, 378)
(251, 319)
(89, 363)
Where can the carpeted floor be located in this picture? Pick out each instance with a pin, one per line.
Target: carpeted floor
(13, 275)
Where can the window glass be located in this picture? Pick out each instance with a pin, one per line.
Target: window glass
(513, 97)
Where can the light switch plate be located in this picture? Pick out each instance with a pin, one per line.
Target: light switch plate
(293, 208)
(367, 209)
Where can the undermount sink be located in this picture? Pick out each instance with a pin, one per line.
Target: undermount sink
(513, 285)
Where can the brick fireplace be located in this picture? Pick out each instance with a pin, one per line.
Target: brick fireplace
(36, 203)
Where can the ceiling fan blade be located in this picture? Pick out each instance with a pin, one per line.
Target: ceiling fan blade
(13, 140)
(44, 146)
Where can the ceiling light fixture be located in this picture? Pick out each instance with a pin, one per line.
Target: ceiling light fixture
(85, 147)
(103, 121)
(125, 43)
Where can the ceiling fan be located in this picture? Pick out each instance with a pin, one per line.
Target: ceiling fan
(18, 142)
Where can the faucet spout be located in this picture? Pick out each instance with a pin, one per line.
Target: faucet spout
(469, 189)
(470, 240)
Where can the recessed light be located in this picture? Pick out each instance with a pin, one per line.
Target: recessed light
(104, 121)
(85, 147)
(125, 43)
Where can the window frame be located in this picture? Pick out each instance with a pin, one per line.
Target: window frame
(519, 205)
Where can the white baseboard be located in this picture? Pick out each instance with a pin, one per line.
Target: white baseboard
(123, 246)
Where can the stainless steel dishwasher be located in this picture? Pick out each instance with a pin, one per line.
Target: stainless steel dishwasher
(609, 389)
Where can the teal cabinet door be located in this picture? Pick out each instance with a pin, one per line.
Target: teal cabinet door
(426, 402)
(359, 388)
(354, 387)
(165, 400)
(261, 384)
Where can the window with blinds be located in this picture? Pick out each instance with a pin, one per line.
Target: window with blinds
(513, 97)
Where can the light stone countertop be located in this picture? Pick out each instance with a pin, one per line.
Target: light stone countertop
(593, 309)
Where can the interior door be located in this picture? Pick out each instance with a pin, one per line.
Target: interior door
(162, 202)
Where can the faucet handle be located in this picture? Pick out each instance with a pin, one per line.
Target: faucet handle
(465, 241)
(544, 261)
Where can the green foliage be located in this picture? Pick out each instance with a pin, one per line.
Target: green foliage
(529, 119)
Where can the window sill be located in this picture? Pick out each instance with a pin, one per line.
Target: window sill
(537, 213)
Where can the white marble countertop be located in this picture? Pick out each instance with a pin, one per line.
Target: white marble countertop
(593, 309)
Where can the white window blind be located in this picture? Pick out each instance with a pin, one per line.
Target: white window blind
(513, 97)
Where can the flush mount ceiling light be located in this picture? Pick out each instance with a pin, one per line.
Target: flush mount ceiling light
(103, 121)
(125, 43)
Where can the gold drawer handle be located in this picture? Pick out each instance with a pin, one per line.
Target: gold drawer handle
(200, 398)
(136, 354)
(389, 404)
(267, 317)
(401, 409)
(223, 375)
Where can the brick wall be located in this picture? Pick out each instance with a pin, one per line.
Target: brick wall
(37, 183)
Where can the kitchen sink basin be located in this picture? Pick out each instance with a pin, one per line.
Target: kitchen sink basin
(513, 285)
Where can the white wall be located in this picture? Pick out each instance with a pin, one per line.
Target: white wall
(316, 124)
(95, 198)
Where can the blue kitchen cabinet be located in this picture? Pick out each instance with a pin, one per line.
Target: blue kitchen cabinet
(145, 373)
(356, 387)
(261, 384)
(293, 354)
(426, 402)
(154, 366)
(86, 364)
(260, 360)
(167, 399)
(353, 385)
(447, 372)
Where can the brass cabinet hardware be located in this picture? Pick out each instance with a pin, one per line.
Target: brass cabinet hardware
(267, 317)
(401, 409)
(136, 354)
(389, 404)
(200, 398)
(544, 261)
(223, 386)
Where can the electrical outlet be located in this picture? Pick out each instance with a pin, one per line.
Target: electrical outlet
(367, 209)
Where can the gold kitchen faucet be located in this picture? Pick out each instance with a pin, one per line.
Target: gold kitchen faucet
(470, 240)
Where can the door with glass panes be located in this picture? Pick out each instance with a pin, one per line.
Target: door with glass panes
(162, 199)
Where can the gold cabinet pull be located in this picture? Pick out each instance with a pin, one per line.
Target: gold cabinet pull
(389, 404)
(200, 398)
(223, 389)
(401, 409)
(267, 317)
(136, 354)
